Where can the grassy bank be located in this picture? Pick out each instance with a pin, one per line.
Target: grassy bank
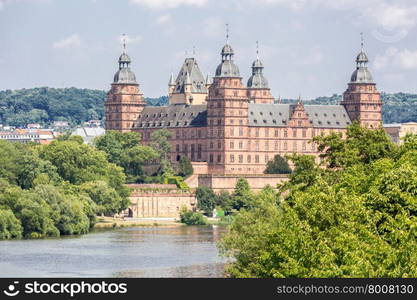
(109, 222)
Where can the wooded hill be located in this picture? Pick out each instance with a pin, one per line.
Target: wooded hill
(44, 105)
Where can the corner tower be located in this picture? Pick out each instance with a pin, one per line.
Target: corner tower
(258, 88)
(227, 116)
(362, 99)
(124, 100)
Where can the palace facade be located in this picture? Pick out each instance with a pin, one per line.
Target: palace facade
(227, 127)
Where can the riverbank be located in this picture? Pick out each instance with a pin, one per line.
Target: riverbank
(110, 222)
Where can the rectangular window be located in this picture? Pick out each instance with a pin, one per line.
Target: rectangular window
(232, 158)
(267, 146)
(199, 151)
(304, 133)
(294, 146)
(219, 158)
(240, 158)
(276, 148)
(276, 133)
(266, 132)
(232, 131)
(257, 132)
(240, 131)
(257, 158)
(294, 132)
(285, 146)
(240, 145)
(304, 146)
(232, 145)
(285, 132)
(257, 146)
(211, 145)
(219, 145)
(177, 148)
(211, 158)
(266, 158)
(249, 158)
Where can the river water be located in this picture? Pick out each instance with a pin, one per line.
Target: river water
(177, 251)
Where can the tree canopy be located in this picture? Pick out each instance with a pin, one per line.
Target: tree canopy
(49, 190)
(356, 218)
(278, 165)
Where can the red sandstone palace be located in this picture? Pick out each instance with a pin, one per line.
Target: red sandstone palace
(226, 127)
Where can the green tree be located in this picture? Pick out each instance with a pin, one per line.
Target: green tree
(242, 195)
(356, 220)
(10, 226)
(107, 199)
(123, 149)
(278, 165)
(206, 199)
(185, 167)
(225, 201)
(160, 142)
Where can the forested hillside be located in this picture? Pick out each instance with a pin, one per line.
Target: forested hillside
(45, 105)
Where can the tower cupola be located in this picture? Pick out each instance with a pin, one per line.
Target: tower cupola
(227, 67)
(124, 74)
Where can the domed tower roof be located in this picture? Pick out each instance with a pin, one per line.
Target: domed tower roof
(257, 80)
(124, 75)
(362, 73)
(227, 67)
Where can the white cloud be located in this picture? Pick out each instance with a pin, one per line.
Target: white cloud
(394, 58)
(166, 4)
(401, 15)
(130, 39)
(72, 41)
(164, 19)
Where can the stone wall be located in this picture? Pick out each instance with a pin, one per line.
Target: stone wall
(159, 200)
(228, 182)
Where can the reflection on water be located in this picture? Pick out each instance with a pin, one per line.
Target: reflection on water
(180, 251)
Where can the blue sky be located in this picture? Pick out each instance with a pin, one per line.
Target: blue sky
(308, 47)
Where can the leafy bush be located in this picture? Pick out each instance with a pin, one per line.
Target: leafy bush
(206, 199)
(189, 217)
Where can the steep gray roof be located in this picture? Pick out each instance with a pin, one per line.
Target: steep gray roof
(268, 114)
(277, 115)
(191, 70)
(329, 116)
(177, 115)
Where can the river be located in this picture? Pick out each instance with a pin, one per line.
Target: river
(177, 251)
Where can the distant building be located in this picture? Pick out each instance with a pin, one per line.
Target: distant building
(60, 124)
(89, 134)
(41, 136)
(33, 126)
(93, 123)
(397, 131)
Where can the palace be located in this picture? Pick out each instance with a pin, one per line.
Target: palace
(228, 128)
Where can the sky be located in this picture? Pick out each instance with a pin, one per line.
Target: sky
(308, 47)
